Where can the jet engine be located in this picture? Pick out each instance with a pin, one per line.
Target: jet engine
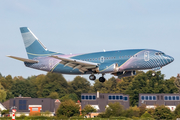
(124, 74)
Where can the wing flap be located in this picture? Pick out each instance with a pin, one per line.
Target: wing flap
(23, 59)
(76, 64)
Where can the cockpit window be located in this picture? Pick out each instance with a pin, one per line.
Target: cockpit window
(159, 53)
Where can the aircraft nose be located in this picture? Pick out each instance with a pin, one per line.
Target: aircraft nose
(171, 59)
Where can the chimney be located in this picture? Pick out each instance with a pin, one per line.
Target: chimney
(97, 94)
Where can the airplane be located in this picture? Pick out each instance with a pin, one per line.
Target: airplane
(121, 63)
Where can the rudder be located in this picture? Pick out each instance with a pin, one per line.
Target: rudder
(34, 47)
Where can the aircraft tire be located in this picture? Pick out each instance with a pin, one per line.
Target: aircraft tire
(102, 79)
(92, 77)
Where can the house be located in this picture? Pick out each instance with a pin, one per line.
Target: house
(2, 107)
(167, 99)
(101, 100)
(29, 106)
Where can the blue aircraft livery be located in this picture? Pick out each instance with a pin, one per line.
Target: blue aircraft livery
(121, 63)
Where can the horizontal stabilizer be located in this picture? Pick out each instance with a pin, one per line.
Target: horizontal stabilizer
(23, 59)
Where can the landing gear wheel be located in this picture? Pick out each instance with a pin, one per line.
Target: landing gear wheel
(153, 74)
(101, 79)
(92, 77)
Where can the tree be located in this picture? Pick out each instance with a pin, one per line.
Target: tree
(146, 83)
(170, 85)
(2, 94)
(114, 109)
(162, 112)
(146, 115)
(87, 110)
(142, 109)
(177, 111)
(53, 95)
(25, 88)
(132, 112)
(52, 82)
(71, 96)
(79, 85)
(68, 108)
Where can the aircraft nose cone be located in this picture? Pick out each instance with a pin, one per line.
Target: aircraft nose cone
(172, 59)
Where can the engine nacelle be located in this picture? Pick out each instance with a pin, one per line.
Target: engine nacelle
(107, 68)
(125, 74)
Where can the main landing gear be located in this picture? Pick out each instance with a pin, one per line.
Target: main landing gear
(93, 77)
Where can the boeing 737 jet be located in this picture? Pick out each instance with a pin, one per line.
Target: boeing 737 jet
(121, 63)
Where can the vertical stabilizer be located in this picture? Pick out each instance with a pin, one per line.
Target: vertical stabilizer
(34, 47)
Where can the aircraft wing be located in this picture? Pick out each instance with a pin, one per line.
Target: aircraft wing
(79, 64)
(23, 59)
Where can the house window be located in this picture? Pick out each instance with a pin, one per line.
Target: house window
(177, 97)
(173, 97)
(150, 97)
(90, 97)
(121, 97)
(142, 97)
(154, 97)
(110, 97)
(86, 97)
(114, 97)
(94, 97)
(117, 97)
(165, 98)
(170, 98)
(125, 98)
(22, 104)
(82, 97)
(34, 109)
(146, 97)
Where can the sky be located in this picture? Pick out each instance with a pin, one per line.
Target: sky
(84, 26)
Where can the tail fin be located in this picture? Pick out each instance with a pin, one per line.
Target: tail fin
(34, 47)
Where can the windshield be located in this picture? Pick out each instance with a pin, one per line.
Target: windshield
(159, 53)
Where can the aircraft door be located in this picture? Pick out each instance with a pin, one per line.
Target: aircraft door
(146, 56)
